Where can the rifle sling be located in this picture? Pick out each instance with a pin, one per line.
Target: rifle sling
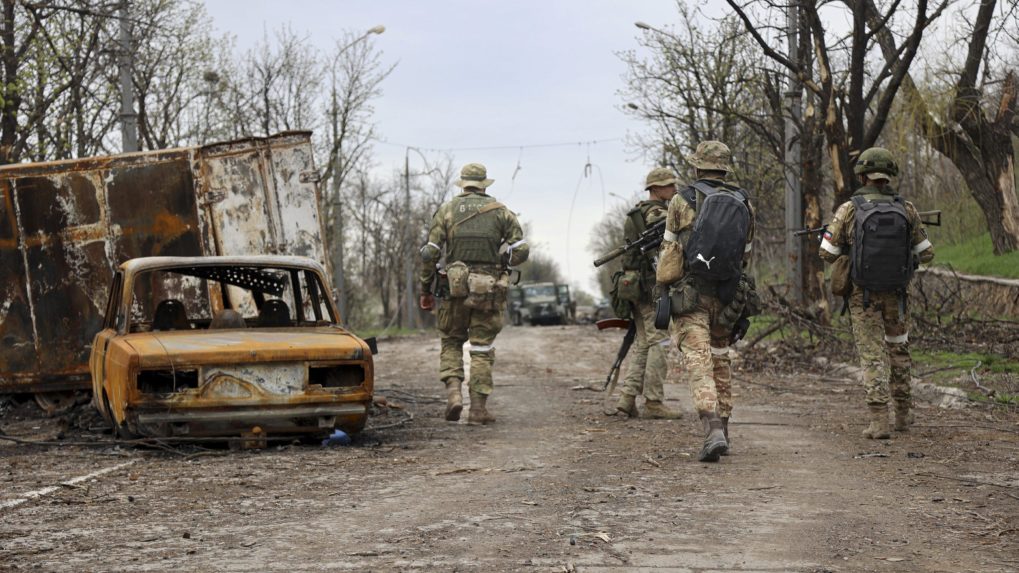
(484, 209)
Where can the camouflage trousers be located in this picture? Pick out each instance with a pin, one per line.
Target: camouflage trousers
(457, 324)
(705, 346)
(881, 333)
(648, 357)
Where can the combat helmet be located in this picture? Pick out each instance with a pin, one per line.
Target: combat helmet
(660, 177)
(876, 163)
(712, 156)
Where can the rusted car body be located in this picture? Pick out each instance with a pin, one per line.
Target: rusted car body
(65, 227)
(214, 346)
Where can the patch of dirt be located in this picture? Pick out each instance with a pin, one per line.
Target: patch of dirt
(553, 485)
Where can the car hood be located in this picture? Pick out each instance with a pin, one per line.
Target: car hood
(155, 349)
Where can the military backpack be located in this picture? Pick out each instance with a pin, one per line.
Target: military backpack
(718, 240)
(882, 254)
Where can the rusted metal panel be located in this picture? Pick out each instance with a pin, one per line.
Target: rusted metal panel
(237, 346)
(66, 225)
(297, 199)
(199, 380)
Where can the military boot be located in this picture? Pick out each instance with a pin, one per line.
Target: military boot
(454, 400)
(714, 438)
(903, 416)
(655, 410)
(479, 412)
(627, 404)
(878, 428)
(725, 431)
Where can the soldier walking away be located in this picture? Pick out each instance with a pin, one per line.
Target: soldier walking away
(649, 359)
(707, 242)
(875, 242)
(481, 239)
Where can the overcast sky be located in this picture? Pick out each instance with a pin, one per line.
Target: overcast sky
(473, 73)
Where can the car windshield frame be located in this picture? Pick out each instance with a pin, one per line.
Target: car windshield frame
(545, 290)
(297, 274)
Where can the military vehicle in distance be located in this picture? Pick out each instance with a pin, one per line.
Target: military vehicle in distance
(541, 303)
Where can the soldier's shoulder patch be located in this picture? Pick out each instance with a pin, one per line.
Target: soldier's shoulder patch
(827, 235)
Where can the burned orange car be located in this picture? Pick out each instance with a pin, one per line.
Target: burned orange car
(227, 346)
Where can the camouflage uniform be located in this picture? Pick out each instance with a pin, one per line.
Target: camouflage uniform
(648, 366)
(880, 328)
(697, 334)
(474, 237)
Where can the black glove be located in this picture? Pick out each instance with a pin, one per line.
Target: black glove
(740, 330)
(505, 258)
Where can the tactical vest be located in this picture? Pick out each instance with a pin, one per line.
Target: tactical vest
(473, 237)
(881, 253)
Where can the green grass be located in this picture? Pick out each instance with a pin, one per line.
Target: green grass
(950, 365)
(976, 256)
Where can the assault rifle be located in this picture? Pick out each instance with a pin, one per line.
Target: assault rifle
(650, 239)
(930, 218)
(624, 349)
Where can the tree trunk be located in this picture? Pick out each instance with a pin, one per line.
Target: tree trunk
(11, 94)
(993, 184)
(812, 182)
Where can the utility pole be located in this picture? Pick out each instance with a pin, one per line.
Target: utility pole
(793, 166)
(409, 303)
(128, 118)
(338, 240)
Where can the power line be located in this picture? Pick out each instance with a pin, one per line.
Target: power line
(497, 147)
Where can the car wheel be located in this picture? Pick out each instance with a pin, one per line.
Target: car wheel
(60, 402)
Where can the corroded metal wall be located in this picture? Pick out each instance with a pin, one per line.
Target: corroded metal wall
(65, 226)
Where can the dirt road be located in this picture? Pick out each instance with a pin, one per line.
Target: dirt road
(554, 485)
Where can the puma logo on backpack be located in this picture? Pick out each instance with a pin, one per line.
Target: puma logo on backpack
(707, 263)
(718, 240)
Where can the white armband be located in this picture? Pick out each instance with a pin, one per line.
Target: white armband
(833, 249)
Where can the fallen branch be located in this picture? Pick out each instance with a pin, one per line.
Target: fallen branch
(771, 329)
(976, 380)
(972, 481)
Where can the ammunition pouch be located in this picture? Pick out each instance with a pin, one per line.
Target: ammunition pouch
(628, 286)
(663, 311)
(841, 283)
(457, 274)
(684, 298)
(621, 308)
(753, 304)
(745, 303)
(485, 291)
(440, 286)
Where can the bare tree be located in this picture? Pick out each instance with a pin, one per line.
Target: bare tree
(853, 99)
(607, 235)
(276, 86)
(711, 82)
(176, 69)
(355, 77)
(977, 129)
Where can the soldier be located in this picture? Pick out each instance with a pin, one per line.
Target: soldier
(648, 367)
(706, 263)
(880, 272)
(472, 227)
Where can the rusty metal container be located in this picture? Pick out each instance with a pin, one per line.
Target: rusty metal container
(65, 226)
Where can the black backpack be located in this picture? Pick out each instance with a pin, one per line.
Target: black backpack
(718, 240)
(882, 253)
